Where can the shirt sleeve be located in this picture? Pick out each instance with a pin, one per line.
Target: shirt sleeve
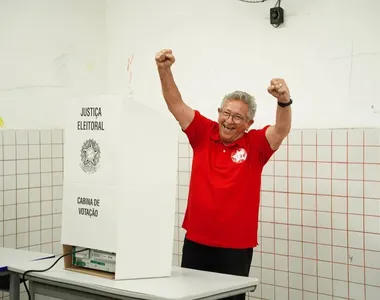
(259, 141)
(198, 130)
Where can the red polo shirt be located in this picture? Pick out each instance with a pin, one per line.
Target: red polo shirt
(224, 195)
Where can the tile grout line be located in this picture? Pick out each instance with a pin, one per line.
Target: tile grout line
(316, 214)
(364, 199)
(347, 215)
(302, 220)
(51, 186)
(288, 216)
(331, 216)
(3, 216)
(274, 218)
(16, 199)
(41, 143)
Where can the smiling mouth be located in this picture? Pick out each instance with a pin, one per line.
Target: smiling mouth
(229, 128)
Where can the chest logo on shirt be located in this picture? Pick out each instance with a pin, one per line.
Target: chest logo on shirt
(239, 156)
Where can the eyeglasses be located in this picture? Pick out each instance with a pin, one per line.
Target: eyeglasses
(235, 117)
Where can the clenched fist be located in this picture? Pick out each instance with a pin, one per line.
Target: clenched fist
(165, 58)
(279, 89)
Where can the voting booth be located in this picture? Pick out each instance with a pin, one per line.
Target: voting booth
(120, 175)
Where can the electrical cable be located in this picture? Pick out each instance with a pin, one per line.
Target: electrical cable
(47, 269)
(253, 1)
(278, 4)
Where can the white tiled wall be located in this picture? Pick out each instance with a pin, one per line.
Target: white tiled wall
(319, 218)
(31, 178)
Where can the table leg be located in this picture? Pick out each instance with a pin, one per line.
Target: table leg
(14, 288)
(31, 289)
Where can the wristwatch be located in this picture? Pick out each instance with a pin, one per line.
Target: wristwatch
(285, 104)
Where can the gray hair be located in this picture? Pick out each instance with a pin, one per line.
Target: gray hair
(246, 98)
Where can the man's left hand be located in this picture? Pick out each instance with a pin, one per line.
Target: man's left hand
(279, 90)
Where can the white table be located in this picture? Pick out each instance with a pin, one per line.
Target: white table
(184, 284)
(9, 256)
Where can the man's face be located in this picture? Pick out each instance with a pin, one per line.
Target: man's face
(233, 120)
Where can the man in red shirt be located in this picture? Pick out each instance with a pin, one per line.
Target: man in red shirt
(221, 219)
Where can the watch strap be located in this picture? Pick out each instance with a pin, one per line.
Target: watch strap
(285, 104)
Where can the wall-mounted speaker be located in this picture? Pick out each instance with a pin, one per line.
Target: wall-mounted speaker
(276, 15)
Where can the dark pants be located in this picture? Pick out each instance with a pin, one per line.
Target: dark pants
(219, 260)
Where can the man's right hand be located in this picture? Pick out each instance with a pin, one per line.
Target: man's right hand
(165, 59)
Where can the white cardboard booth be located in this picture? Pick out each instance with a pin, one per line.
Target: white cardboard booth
(120, 175)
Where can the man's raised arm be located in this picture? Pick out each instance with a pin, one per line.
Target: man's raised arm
(180, 110)
(278, 132)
